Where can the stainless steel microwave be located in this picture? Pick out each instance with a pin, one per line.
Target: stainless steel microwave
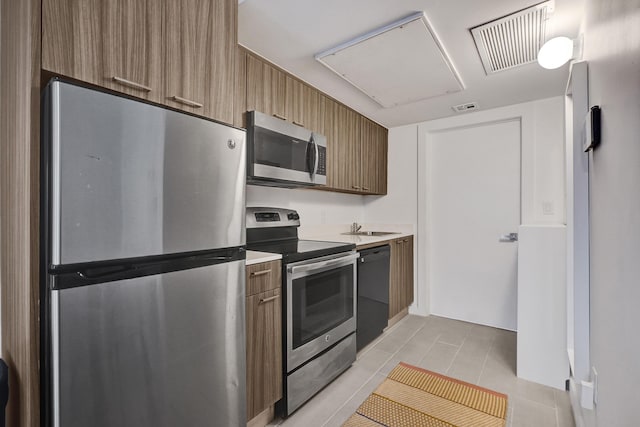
(281, 154)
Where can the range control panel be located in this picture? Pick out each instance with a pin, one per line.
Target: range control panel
(259, 217)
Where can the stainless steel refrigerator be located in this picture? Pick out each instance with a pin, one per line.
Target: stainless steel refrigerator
(143, 287)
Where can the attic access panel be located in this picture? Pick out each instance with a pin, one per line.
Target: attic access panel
(397, 64)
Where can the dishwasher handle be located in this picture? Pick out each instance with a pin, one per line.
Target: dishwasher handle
(375, 254)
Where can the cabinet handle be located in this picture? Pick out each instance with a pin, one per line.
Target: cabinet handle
(405, 240)
(186, 101)
(278, 116)
(263, 300)
(356, 187)
(131, 84)
(399, 242)
(260, 273)
(366, 188)
(298, 124)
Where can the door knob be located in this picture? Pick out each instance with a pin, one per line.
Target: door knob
(511, 237)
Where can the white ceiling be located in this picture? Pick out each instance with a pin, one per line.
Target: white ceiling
(290, 32)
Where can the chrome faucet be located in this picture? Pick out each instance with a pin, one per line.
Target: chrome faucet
(355, 227)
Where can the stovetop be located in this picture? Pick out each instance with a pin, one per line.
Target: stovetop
(297, 250)
(275, 230)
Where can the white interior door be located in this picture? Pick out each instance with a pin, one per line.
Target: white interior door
(474, 186)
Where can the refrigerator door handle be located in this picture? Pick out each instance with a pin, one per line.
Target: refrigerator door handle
(87, 274)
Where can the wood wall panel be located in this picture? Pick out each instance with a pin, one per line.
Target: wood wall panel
(19, 200)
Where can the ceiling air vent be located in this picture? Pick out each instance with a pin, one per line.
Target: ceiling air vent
(512, 40)
(465, 107)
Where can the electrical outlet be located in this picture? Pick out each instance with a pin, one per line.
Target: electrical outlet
(547, 208)
(594, 379)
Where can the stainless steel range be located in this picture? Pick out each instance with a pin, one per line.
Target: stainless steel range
(319, 317)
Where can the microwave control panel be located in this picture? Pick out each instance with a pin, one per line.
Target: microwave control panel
(322, 161)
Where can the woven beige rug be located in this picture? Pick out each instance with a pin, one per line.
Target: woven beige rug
(415, 397)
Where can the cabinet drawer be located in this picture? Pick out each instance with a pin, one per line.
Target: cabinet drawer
(263, 277)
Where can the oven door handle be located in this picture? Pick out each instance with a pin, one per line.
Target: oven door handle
(337, 262)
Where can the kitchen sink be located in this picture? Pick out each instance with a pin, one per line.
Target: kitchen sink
(370, 233)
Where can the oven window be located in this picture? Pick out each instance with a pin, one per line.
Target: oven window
(321, 302)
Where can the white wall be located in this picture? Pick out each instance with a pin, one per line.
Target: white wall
(400, 205)
(612, 49)
(316, 207)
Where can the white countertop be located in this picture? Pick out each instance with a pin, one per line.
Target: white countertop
(359, 240)
(255, 257)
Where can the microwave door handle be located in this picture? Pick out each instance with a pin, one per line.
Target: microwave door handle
(317, 157)
(311, 164)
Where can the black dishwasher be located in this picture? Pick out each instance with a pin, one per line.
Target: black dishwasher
(373, 294)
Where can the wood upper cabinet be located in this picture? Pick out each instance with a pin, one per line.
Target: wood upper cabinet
(356, 146)
(264, 336)
(116, 44)
(373, 157)
(200, 39)
(240, 96)
(401, 275)
(266, 88)
(344, 151)
(296, 91)
(357, 154)
(179, 53)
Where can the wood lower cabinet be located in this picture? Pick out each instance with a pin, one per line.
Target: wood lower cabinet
(179, 53)
(264, 336)
(401, 275)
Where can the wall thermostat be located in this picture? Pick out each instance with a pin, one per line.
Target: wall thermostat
(592, 129)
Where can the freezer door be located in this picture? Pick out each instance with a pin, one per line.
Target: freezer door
(164, 350)
(128, 179)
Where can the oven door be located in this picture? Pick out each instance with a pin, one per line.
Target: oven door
(321, 305)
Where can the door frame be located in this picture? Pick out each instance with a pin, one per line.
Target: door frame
(524, 113)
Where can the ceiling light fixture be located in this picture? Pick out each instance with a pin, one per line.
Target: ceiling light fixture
(555, 53)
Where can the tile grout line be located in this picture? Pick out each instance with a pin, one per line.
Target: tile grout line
(486, 357)
(455, 355)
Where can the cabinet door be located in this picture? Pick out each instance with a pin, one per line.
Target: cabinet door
(199, 59)
(264, 351)
(407, 271)
(345, 155)
(266, 88)
(382, 158)
(240, 98)
(111, 43)
(374, 157)
(312, 116)
(369, 156)
(395, 277)
(295, 101)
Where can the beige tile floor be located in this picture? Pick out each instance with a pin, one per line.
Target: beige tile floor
(473, 353)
